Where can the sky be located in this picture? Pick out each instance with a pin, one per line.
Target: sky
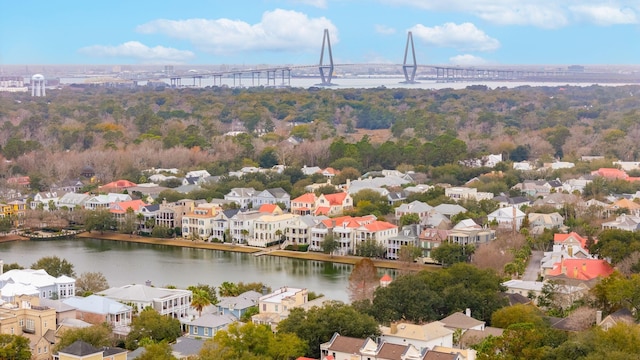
(458, 32)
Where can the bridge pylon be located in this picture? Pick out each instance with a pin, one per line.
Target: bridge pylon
(409, 69)
(326, 70)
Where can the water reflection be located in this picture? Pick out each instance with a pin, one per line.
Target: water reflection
(126, 263)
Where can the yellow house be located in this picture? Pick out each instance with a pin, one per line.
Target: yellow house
(27, 318)
(81, 350)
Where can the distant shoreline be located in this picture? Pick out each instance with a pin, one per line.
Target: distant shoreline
(385, 264)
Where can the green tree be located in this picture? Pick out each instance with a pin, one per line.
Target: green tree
(14, 347)
(54, 266)
(370, 248)
(100, 220)
(227, 289)
(363, 280)
(200, 300)
(408, 219)
(318, 324)
(448, 254)
(150, 326)
(96, 335)
(5, 224)
(91, 282)
(157, 351)
(209, 292)
(329, 244)
(12, 266)
(517, 314)
(252, 341)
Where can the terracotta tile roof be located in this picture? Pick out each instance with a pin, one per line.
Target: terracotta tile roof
(391, 351)
(309, 198)
(121, 207)
(380, 226)
(582, 269)
(626, 204)
(336, 199)
(560, 238)
(386, 278)
(121, 184)
(347, 344)
(611, 173)
(323, 210)
(437, 355)
(268, 208)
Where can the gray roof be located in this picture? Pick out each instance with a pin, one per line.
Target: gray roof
(186, 346)
(97, 305)
(56, 304)
(80, 348)
(139, 292)
(278, 193)
(449, 209)
(185, 189)
(459, 320)
(132, 355)
(242, 301)
(213, 321)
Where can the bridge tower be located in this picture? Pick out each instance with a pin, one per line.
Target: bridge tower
(409, 69)
(326, 70)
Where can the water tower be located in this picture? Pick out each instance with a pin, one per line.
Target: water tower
(37, 85)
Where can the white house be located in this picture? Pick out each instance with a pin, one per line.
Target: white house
(35, 282)
(423, 337)
(172, 302)
(507, 217)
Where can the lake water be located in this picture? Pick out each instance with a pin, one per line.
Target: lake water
(128, 263)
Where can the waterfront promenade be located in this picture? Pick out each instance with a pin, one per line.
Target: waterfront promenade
(385, 264)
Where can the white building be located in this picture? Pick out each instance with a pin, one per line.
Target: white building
(35, 282)
(170, 302)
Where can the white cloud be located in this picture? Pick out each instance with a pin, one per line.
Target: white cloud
(139, 51)
(465, 36)
(278, 30)
(384, 29)
(548, 14)
(467, 60)
(322, 4)
(604, 15)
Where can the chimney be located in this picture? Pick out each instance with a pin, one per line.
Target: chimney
(584, 266)
(147, 283)
(575, 271)
(598, 317)
(1, 267)
(468, 312)
(394, 328)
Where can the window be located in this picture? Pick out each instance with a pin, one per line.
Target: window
(195, 330)
(206, 331)
(264, 307)
(276, 308)
(21, 322)
(30, 324)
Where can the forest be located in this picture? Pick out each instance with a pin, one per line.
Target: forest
(119, 132)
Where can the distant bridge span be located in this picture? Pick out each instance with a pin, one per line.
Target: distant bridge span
(326, 68)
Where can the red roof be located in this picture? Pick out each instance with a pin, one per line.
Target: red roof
(350, 221)
(611, 173)
(379, 226)
(336, 199)
(386, 278)
(120, 207)
(560, 238)
(322, 210)
(309, 198)
(268, 208)
(582, 269)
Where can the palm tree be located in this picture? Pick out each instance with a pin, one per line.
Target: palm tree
(200, 300)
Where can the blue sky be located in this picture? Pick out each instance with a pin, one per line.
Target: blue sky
(463, 32)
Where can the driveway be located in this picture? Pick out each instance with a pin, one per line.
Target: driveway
(533, 267)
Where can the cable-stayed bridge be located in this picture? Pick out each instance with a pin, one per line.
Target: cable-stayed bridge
(412, 72)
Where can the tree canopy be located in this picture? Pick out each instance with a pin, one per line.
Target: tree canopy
(54, 266)
(151, 327)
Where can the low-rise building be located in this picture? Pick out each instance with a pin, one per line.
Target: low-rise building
(25, 316)
(275, 306)
(99, 310)
(169, 302)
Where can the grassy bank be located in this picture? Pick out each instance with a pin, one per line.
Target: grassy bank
(386, 264)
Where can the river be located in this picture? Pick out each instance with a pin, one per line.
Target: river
(128, 263)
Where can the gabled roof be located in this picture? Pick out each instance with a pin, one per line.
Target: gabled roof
(459, 320)
(346, 344)
(119, 184)
(278, 193)
(309, 198)
(336, 199)
(379, 226)
(121, 207)
(213, 321)
(425, 332)
(97, 305)
(561, 238)
(449, 209)
(269, 208)
(582, 269)
(625, 204)
(138, 292)
(391, 351)
(80, 348)
(242, 301)
(437, 355)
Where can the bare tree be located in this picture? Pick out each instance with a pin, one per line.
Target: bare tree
(363, 280)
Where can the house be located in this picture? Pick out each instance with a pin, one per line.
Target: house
(304, 204)
(149, 213)
(64, 312)
(612, 174)
(241, 226)
(197, 174)
(207, 325)
(621, 316)
(571, 240)
(25, 316)
(66, 186)
(81, 350)
(507, 217)
(630, 207)
(45, 200)
(119, 209)
(275, 306)
(104, 201)
(116, 186)
(242, 196)
(459, 193)
(467, 232)
(430, 239)
(272, 209)
(299, 230)
(172, 302)
(351, 232)
(546, 221)
(507, 201)
(21, 181)
(38, 282)
(623, 222)
(462, 321)
(415, 207)
(269, 229)
(237, 306)
(449, 210)
(423, 337)
(187, 347)
(526, 288)
(71, 201)
(346, 348)
(272, 196)
(407, 236)
(199, 223)
(98, 310)
(333, 204)
(557, 200)
(579, 271)
(170, 214)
